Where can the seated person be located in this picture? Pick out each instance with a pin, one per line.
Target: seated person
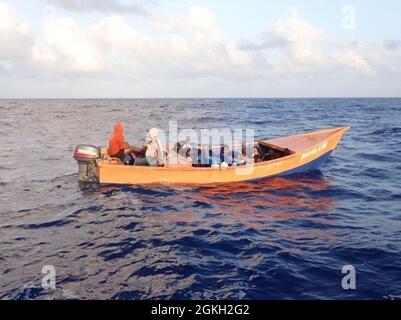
(196, 156)
(154, 155)
(215, 156)
(184, 150)
(118, 147)
(225, 155)
(256, 154)
(204, 156)
(247, 150)
(237, 158)
(117, 144)
(231, 157)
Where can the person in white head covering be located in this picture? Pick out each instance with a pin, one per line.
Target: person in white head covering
(154, 152)
(154, 155)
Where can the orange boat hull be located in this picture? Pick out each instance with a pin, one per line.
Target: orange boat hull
(310, 152)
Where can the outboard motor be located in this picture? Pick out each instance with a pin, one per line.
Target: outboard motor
(86, 156)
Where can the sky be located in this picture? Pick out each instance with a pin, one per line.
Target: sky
(190, 49)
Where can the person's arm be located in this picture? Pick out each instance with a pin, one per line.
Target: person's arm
(135, 150)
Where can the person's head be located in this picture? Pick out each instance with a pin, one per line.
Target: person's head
(152, 135)
(256, 151)
(118, 128)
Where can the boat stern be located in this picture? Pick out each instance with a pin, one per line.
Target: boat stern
(86, 156)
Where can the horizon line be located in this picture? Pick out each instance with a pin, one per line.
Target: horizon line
(211, 98)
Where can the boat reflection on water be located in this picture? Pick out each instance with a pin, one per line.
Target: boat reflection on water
(259, 205)
(293, 208)
(272, 199)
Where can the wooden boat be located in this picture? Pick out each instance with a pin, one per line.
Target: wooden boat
(299, 153)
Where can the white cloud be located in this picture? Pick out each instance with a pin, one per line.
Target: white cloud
(301, 38)
(297, 48)
(353, 61)
(197, 47)
(201, 21)
(15, 35)
(311, 50)
(99, 48)
(69, 47)
(190, 46)
(194, 47)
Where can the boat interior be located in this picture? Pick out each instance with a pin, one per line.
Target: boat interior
(270, 152)
(260, 151)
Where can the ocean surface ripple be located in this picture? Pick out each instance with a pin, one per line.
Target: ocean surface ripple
(280, 238)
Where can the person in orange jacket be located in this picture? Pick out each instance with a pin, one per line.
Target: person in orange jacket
(118, 147)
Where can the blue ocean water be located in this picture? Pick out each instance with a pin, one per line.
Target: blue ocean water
(280, 238)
